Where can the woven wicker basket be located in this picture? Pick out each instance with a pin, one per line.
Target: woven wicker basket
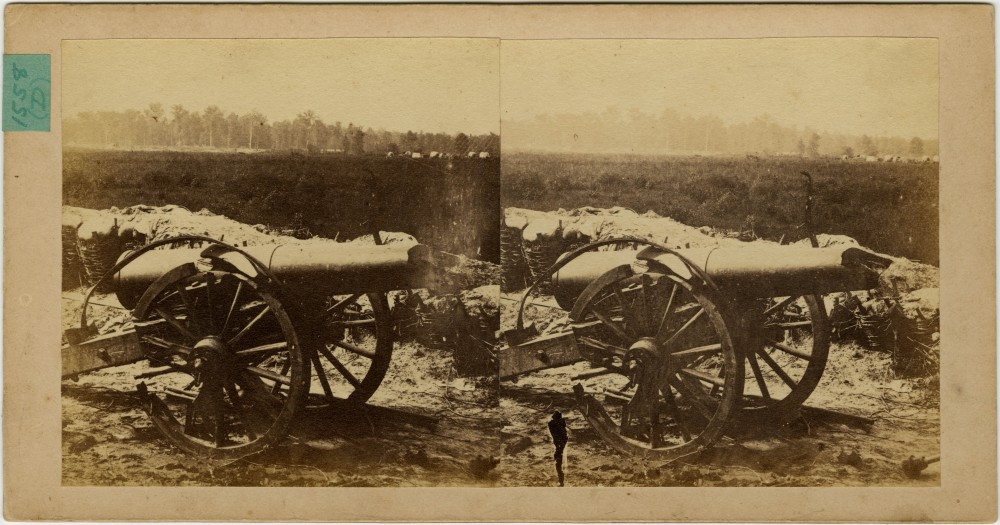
(100, 246)
(72, 264)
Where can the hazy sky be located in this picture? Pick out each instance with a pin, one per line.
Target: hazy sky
(877, 86)
(434, 85)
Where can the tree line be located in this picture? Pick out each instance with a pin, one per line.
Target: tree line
(634, 131)
(177, 127)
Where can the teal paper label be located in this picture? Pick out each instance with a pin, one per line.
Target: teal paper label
(26, 92)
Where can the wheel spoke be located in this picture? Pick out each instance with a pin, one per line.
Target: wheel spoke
(232, 308)
(246, 329)
(631, 322)
(594, 343)
(340, 367)
(185, 298)
(693, 393)
(695, 352)
(612, 325)
(209, 281)
(691, 321)
(237, 403)
(263, 349)
(341, 304)
(167, 345)
(646, 302)
(267, 374)
(675, 413)
(354, 348)
(777, 369)
(321, 374)
(172, 321)
(354, 322)
(252, 384)
(755, 366)
(218, 416)
(779, 306)
(789, 324)
(661, 331)
(284, 370)
(790, 350)
(703, 376)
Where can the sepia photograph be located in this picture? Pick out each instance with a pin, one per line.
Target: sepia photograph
(720, 262)
(280, 276)
(499, 263)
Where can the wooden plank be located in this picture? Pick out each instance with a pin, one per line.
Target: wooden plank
(543, 352)
(100, 352)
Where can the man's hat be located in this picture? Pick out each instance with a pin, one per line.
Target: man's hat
(557, 415)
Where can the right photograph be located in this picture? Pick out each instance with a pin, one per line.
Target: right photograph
(720, 262)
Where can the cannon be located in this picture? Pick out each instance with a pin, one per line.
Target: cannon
(687, 345)
(229, 344)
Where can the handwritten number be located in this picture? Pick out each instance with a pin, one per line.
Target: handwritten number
(19, 92)
(20, 111)
(19, 73)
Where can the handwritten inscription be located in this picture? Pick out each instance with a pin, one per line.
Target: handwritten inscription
(27, 93)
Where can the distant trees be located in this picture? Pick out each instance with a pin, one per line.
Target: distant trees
(358, 142)
(156, 126)
(867, 146)
(461, 144)
(814, 145)
(254, 124)
(213, 120)
(916, 146)
(674, 132)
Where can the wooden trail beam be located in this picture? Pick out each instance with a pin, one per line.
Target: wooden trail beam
(119, 348)
(548, 351)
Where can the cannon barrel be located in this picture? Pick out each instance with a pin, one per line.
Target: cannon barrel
(739, 272)
(308, 271)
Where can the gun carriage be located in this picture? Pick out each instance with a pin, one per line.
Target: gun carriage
(688, 344)
(233, 342)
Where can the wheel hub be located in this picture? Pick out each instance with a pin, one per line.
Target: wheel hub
(212, 357)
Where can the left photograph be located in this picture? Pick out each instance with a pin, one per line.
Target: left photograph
(280, 262)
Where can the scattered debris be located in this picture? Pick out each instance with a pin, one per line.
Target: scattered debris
(913, 466)
(519, 445)
(851, 458)
(482, 467)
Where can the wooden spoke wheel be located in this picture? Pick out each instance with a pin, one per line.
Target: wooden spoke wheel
(673, 377)
(224, 372)
(786, 351)
(353, 348)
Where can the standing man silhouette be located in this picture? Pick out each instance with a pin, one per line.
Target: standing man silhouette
(557, 427)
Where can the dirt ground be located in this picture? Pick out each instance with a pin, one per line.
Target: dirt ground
(437, 426)
(815, 450)
(441, 423)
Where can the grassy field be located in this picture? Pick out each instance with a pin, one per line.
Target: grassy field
(889, 207)
(450, 204)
